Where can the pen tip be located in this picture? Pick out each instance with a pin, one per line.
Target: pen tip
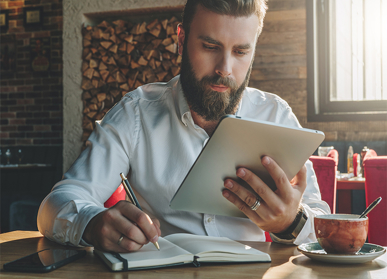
(156, 244)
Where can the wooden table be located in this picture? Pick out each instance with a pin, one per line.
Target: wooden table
(287, 262)
(344, 193)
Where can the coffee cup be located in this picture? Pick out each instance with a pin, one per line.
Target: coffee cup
(341, 233)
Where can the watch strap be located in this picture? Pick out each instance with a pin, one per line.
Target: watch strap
(295, 228)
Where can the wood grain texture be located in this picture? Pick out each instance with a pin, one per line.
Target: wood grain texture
(287, 262)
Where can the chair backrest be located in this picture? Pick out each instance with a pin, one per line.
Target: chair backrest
(117, 196)
(375, 173)
(325, 169)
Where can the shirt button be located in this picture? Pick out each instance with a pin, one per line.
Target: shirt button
(209, 220)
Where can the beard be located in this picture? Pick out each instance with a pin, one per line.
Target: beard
(208, 103)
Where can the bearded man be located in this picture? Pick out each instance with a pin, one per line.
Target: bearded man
(155, 133)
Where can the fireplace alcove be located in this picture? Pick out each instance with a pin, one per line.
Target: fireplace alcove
(123, 51)
(76, 15)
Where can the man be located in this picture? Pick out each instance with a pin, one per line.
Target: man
(156, 132)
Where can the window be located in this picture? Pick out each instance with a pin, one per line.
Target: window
(347, 60)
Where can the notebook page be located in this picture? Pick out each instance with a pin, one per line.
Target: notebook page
(216, 246)
(148, 255)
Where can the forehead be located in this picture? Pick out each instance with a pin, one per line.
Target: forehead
(226, 29)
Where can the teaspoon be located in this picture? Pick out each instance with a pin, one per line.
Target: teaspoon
(370, 207)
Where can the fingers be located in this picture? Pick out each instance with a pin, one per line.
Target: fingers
(243, 206)
(125, 245)
(157, 225)
(105, 230)
(122, 225)
(128, 244)
(278, 175)
(259, 187)
(299, 181)
(280, 178)
(145, 230)
(277, 209)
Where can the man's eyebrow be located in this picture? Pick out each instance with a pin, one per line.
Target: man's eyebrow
(215, 42)
(243, 46)
(210, 40)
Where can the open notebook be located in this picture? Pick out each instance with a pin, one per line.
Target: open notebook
(178, 249)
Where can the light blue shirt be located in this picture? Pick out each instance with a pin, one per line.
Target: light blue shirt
(151, 136)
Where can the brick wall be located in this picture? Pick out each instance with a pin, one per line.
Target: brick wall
(31, 101)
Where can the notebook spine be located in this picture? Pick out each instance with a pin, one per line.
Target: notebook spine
(123, 260)
(195, 262)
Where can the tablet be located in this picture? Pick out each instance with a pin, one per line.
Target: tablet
(240, 142)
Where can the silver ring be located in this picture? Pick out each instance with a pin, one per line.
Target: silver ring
(120, 239)
(256, 204)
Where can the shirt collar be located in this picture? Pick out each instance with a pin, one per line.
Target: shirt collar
(181, 105)
(238, 112)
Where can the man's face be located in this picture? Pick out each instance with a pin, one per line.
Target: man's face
(216, 64)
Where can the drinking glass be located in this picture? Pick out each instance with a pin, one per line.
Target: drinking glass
(20, 155)
(8, 156)
(324, 150)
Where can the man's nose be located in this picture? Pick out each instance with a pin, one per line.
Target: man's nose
(223, 68)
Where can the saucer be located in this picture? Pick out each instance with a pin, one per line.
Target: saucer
(367, 253)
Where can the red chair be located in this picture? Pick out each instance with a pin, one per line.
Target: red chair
(325, 169)
(375, 173)
(117, 196)
(268, 237)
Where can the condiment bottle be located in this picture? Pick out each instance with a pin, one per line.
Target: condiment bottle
(350, 160)
(362, 154)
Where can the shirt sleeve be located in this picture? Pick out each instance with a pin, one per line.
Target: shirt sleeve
(91, 180)
(311, 199)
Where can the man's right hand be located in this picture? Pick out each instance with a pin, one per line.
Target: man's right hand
(123, 219)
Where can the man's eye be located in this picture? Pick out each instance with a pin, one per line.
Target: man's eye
(239, 52)
(209, 47)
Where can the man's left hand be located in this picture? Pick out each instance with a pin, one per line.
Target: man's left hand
(278, 209)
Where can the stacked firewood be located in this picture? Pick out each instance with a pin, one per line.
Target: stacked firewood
(121, 56)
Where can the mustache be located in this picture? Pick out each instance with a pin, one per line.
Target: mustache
(218, 80)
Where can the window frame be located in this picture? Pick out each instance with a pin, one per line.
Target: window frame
(319, 107)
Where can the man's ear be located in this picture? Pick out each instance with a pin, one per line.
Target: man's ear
(181, 37)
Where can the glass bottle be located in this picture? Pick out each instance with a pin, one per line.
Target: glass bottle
(8, 156)
(362, 154)
(350, 160)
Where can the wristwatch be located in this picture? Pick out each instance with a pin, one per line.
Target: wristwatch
(295, 228)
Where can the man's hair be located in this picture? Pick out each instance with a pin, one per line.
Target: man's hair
(237, 8)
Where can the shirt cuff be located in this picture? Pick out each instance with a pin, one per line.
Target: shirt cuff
(307, 234)
(80, 222)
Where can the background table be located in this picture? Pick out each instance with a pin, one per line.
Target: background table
(287, 262)
(344, 193)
